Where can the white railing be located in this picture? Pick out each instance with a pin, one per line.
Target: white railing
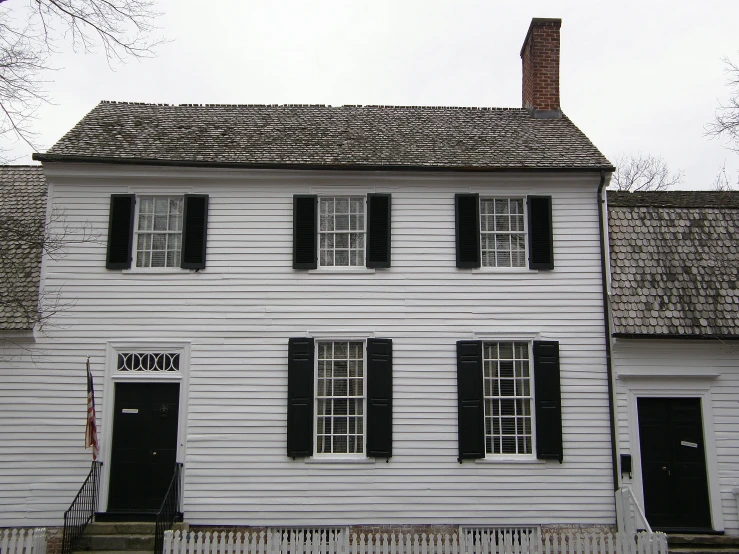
(629, 516)
(23, 541)
(177, 542)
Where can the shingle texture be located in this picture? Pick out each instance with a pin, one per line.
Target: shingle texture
(675, 263)
(22, 211)
(353, 136)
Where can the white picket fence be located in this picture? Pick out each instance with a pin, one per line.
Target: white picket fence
(487, 542)
(23, 541)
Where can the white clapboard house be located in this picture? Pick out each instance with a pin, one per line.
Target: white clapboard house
(674, 262)
(329, 316)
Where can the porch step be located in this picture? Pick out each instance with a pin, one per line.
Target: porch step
(117, 538)
(120, 528)
(702, 544)
(118, 542)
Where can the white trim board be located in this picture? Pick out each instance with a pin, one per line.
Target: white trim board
(112, 377)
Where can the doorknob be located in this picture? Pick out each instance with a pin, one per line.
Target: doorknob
(664, 468)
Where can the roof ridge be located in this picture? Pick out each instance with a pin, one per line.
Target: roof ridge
(298, 105)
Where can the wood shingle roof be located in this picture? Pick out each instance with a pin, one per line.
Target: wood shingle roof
(22, 212)
(360, 137)
(674, 263)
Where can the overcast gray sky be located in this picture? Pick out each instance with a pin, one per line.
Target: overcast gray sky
(636, 75)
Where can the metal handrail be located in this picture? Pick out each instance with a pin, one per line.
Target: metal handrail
(82, 509)
(169, 510)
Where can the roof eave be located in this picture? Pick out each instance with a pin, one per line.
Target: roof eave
(674, 336)
(298, 166)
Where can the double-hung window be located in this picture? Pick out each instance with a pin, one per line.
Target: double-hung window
(503, 232)
(508, 399)
(341, 232)
(157, 231)
(507, 394)
(339, 398)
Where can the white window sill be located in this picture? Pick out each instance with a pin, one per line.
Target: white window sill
(504, 270)
(159, 271)
(338, 270)
(332, 460)
(492, 459)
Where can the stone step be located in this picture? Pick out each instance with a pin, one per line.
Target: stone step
(120, 528)
(702, 550)
(76, 551)
(698, 542)
(109, 543)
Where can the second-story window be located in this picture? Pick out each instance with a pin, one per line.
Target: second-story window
(341, 231)
(159, 231)
(503, 232)
(503, 235)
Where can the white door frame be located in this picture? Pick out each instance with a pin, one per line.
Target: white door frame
(113, 376)
(675, 387)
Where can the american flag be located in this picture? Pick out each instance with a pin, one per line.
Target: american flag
(91, 429)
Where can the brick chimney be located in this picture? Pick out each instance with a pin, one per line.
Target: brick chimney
(540, 61)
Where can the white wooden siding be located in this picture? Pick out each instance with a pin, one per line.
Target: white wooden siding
(240, 311)
(719, 363)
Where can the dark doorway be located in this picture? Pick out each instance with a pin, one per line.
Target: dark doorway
(144, 448)
(673, 461)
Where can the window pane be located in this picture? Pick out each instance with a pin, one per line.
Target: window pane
(146, 222)
(341, 258)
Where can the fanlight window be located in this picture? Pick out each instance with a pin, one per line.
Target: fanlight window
(166, 362)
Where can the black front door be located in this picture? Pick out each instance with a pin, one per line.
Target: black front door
(673, 463)
(144, 445)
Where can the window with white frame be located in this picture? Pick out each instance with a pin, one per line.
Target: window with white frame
(502, 232)
(159, 231)
(341, 231)
(507, 394)
(340, 397)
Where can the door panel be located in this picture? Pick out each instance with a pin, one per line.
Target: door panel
(673, 463)
(144, 448)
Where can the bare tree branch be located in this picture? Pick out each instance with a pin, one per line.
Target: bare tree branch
(640, 172)
(24, 241)
(726, 119)
(30, 34)
(722, 181)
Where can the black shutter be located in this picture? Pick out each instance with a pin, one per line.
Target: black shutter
(548, 401)
(467, 229)
(378, 230)
(300, 397)
(380, 398)
(471, 418)
(541, 250)
(194, 231)
(120, 231)
(305, 231)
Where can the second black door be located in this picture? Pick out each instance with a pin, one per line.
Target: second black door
(673, 464)
(144, 448)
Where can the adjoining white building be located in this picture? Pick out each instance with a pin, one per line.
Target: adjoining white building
(675, 300)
